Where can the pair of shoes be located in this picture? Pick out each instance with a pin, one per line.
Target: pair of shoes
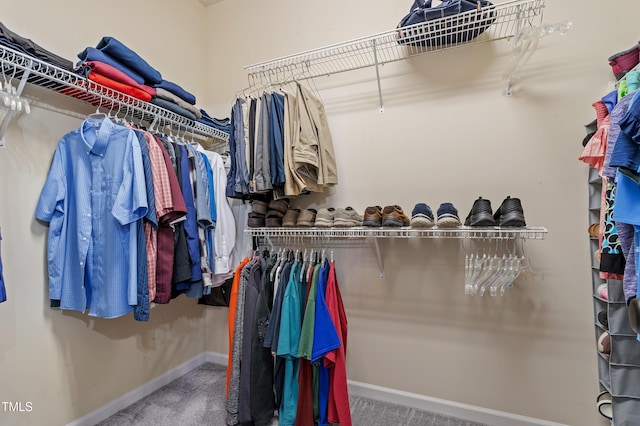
(594, 230)
(422, 216)
(342, 218)
(390, 216)
(625, 61)
(510, 214)
(256, 218)
(276, 211)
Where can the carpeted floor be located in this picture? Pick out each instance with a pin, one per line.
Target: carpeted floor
(197, 398)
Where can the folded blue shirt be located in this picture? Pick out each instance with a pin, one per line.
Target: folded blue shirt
(93, 54)
(129, 58)
(176, 90)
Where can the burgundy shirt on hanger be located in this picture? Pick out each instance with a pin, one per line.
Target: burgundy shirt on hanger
(164, 271)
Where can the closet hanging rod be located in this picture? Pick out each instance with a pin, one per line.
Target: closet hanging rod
(382, 48)
(14, 64)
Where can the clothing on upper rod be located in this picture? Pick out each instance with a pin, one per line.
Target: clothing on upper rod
(280, 143)
(287, 306)
(130, 223)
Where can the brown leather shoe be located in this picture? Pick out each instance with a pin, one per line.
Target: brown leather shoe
(372, 216)
(393, 216)
(290, 218)
(307, 218)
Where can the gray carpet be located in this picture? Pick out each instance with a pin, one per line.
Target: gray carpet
(197, 398)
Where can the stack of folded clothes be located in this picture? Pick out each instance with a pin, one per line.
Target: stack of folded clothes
(114, 65)
(12, 40)
(223, 124)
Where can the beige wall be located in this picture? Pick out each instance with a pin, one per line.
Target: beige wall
(65, 363)
(449, 134)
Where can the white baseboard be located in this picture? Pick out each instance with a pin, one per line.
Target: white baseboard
(448, 408)
(140, 392)
(445, 407)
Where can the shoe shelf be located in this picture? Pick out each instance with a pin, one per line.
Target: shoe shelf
(26, 69)
(519, 19)
(359, 236)
(496, 233)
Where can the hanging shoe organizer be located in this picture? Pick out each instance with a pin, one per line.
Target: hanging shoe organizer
(503, 243)
(17, 66)
(519, 19)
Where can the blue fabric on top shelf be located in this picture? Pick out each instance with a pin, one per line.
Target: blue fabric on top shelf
(121, 53)
(93, 54)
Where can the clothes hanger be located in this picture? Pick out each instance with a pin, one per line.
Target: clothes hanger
(98, 115)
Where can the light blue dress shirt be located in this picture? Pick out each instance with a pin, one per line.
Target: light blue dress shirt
(93, 196)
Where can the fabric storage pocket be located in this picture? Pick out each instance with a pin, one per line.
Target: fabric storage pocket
(625, 381)
(603, 369)
(619, 320)
(625, 411)
(616, 292)
(625, 350)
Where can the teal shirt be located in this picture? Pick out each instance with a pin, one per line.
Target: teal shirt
(288, 342)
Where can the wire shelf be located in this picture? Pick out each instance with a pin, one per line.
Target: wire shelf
(497, 22)
(464, 232)
(16, 65)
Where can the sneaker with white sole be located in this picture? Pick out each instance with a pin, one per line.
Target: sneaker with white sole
(447, 216)
(422, 216)
(346, 218)
(324, 218)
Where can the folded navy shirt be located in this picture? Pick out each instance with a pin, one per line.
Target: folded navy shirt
(93, 54)
(127, 57)
(176, 90)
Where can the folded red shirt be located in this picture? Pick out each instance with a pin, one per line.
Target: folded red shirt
(120, 87)
(115, 74)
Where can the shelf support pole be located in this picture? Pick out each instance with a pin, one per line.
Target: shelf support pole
(375, 59)
(380, 264)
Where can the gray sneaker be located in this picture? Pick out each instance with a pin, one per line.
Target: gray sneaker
(347, 218)
(324, 218)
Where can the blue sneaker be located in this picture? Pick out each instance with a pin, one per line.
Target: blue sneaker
(421, 216)
(447, 216)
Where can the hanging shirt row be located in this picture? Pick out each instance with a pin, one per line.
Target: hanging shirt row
(280, 142)
(134, 217)
(287, 343)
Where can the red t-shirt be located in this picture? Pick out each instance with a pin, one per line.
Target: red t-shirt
(339, 411)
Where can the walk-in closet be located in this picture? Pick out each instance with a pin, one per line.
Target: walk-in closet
(222, 213)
